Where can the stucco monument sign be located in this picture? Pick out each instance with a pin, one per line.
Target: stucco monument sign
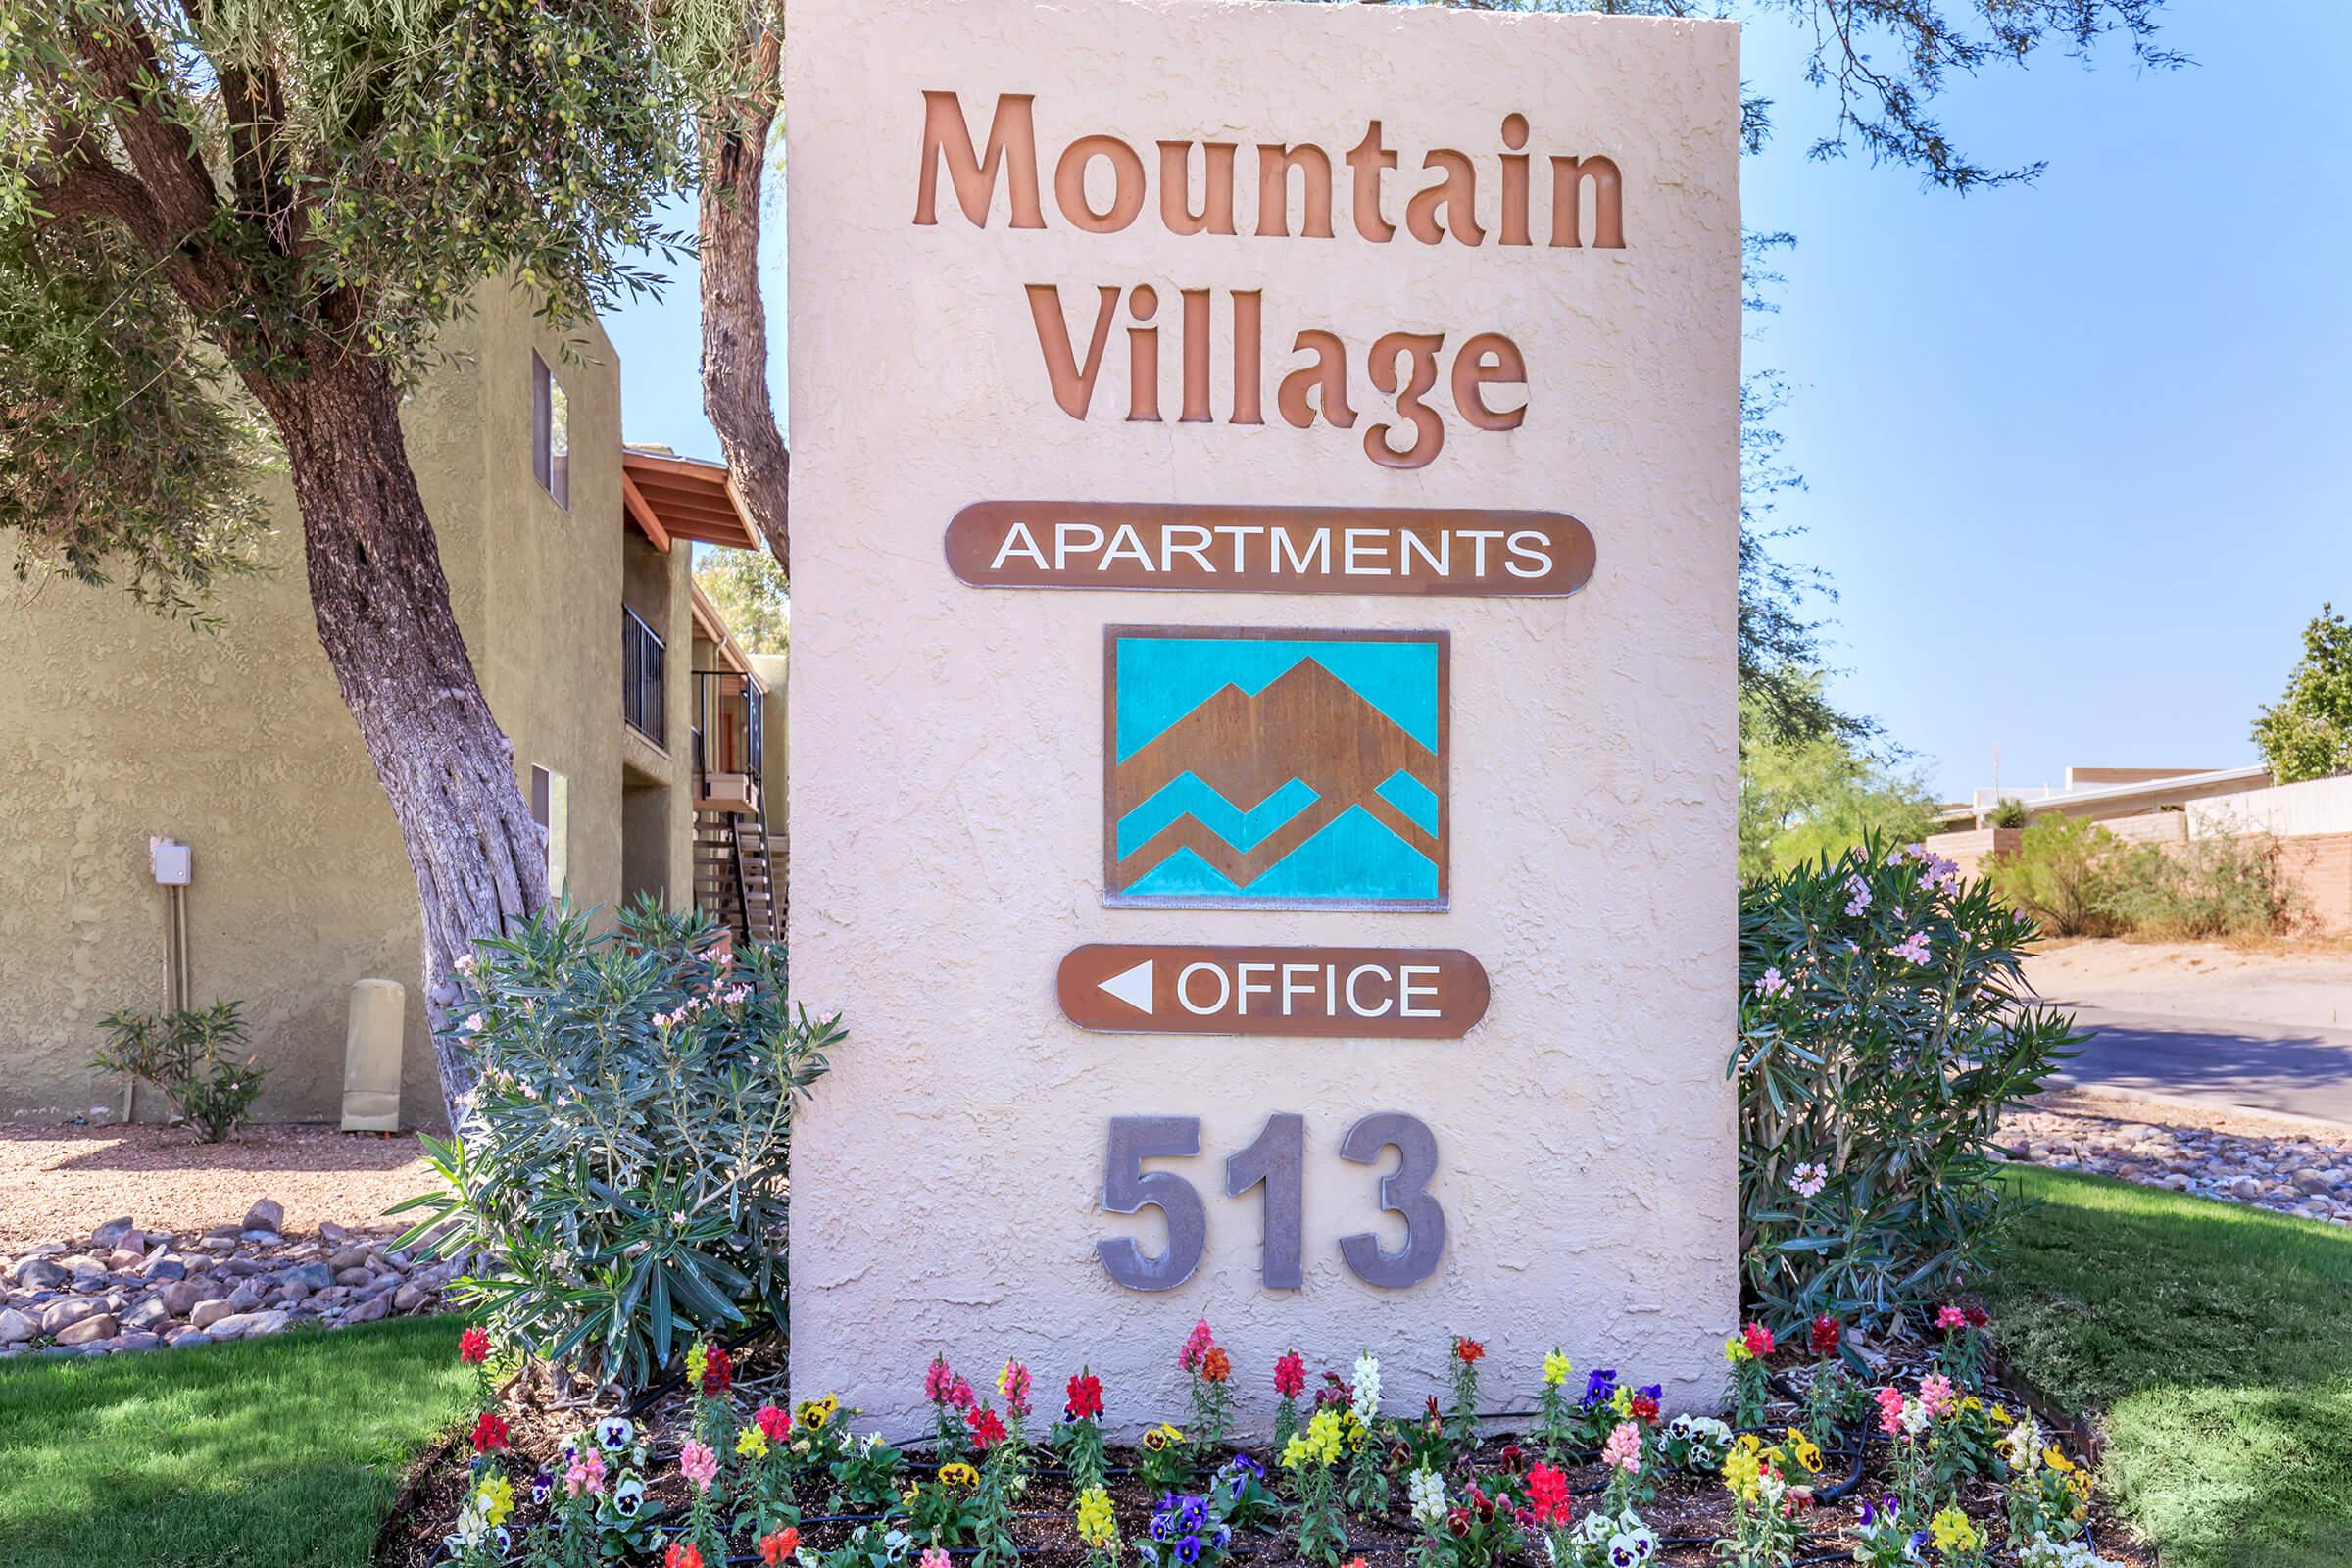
(1265, 495)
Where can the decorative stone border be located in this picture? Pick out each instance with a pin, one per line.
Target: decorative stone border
(131, 1289)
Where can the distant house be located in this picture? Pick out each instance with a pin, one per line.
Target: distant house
(642, 753)
(2312, 820)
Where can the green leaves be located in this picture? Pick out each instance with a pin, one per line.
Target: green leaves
(621, 1178)
(1882, 1032)
(2308, 732)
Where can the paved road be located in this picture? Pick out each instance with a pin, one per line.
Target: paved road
(2260, 1066)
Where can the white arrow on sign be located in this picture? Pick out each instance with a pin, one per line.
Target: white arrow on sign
(1133, 986)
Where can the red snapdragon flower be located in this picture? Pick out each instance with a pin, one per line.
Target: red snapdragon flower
(719, 1373)
(1468, 1351)
(474, 1347)
(489, 1434)
(1642, 1405)
(775, 1422)
(682, 1555)
(1085, 1401)
(1216, 1366)
(1289, 1375)
(1758, 1340)
(1547, 1494)
(1977, 1316)
(1824, 1336)
(779, 1547)
(987, 1430)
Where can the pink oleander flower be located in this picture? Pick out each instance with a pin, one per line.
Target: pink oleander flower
(1197, 1345)
(1890, 1412)
(1013, 1383)
(1913, 948)
(1623, 1450)
(1950, 1318)
(1770, 984)
(1808, 1179)
(699, 1463)
(585, 1473)
(1936, 1396)
(1860, 890)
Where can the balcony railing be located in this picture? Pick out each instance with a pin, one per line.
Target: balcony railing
(726, 726)
(642, 656)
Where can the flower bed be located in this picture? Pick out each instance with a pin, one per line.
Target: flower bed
(1923, 1461)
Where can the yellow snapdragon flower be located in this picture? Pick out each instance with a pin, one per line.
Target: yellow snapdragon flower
(1742, 1471)
(1556, 1369)
(1098, 1526)
(752, 1442)
(1955, 1532)
(496, 1500)
(1736, 1351)
(1319, 1443)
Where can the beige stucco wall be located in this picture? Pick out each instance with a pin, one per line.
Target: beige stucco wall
(237, 742)
(946, 794)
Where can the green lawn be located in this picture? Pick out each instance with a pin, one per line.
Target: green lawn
(272, 1453)
(2218, 1340)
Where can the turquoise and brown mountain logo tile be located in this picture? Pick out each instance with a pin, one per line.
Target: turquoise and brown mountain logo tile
(1246, 768)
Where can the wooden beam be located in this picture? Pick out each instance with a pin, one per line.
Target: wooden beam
(633, 504)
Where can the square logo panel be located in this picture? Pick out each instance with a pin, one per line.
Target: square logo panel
(1247, 767)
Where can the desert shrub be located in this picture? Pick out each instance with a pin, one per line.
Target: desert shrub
(190, 1055)
(2009, 811)
(2060, 875)
(1884, 1026)
(2211, 887)
(620, 1164)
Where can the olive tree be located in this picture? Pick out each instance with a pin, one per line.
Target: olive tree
(229, 230)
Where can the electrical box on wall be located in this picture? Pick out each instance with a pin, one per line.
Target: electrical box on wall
(172, 861)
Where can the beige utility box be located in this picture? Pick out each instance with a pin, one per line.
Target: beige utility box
(372, 1050)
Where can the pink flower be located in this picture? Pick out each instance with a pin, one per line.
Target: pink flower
(1936, 1396)
(959, 1393)
(1013, 1384)
(699, 1463)
(1950, 1318)
(1861, 894)
(1623, 1450)
(585, 1473)
(1890, 1412)
(1197, 1345)
(935, 1558)
(938, 1378)
(1770, 984)
(1913, 948)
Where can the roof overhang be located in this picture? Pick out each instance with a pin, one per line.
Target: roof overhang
(669, 498)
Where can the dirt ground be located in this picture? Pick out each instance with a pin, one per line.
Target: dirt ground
(61, 1183)
(2305, 985)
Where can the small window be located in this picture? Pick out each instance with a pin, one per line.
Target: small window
(551, 808)
(551, 433)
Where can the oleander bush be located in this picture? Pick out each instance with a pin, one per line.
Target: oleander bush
(1884, 1026)
(191, 1056)
(618, 1170)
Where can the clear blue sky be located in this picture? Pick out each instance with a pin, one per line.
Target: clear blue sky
(2076, 453)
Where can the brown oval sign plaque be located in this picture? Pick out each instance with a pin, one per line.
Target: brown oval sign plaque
(1269, 550)
(1394, 992)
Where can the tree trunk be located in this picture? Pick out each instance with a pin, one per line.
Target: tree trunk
(734, 138)
(381, 605)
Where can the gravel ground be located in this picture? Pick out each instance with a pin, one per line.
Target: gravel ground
(63, 1182)
(2290, 1165)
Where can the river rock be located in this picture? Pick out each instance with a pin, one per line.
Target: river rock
(85, 1331)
